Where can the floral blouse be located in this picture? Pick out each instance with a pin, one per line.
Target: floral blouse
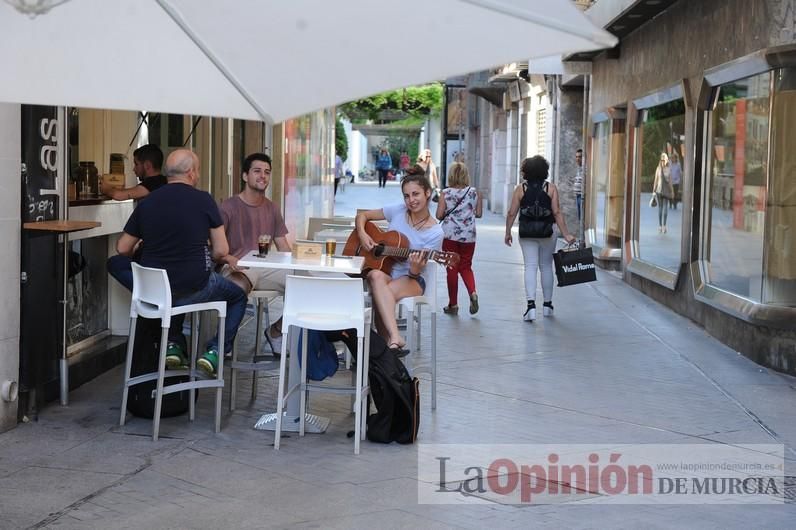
(459, 225)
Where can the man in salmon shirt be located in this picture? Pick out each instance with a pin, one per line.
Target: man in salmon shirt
(247, 216)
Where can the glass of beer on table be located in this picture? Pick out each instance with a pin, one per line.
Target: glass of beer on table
(263, 242)
(331, 246)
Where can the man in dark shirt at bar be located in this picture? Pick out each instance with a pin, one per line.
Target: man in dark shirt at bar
(147, 161)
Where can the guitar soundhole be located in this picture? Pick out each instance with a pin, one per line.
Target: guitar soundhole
(378, 250)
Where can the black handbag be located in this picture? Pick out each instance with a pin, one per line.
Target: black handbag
(574, 266)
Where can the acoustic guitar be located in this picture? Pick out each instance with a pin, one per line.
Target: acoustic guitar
(390, 247)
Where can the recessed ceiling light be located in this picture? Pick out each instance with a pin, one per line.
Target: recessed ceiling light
(617, 27)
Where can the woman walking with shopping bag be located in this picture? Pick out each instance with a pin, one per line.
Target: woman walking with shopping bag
(458, 208)
(536, 200)
(662, 187)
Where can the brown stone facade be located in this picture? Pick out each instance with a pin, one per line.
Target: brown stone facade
(680, 45)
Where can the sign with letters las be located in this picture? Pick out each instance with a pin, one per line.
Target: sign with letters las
(39, 163)
(574, 266)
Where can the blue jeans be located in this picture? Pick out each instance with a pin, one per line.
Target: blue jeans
(579, 202)
(219, 289)
(119, 267)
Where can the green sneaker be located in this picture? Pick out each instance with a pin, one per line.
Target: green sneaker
(175, 357)
(208, 362)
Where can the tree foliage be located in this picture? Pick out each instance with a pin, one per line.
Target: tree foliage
(407, 105)
(340, 139)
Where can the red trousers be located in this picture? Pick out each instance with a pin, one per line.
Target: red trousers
(464, 268)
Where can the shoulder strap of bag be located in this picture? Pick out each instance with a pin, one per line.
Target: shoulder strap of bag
(457, 204)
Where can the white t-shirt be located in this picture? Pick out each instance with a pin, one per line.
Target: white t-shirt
(426, 238)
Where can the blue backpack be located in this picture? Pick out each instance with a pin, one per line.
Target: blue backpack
(321, 356)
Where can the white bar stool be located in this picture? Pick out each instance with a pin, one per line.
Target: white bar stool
(413, 306)
(152, 299)
(325, 304)
(261, 300)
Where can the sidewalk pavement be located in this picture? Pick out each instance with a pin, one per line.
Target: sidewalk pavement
(611, 367)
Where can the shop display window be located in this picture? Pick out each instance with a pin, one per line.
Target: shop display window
(308, 170)
(779, 257)
(746, 262)
(737, 160)
(606, 185)
(599, 178)
(660, 152)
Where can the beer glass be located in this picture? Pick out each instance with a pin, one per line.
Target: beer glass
(263, 242)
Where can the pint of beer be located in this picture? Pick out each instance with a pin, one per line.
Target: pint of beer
(263, 242)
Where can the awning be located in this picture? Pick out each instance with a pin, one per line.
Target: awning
(267, 59)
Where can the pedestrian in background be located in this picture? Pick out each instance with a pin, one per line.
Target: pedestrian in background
(338, 172)
(458, 208)
(662, 187)
(538, 200)
(383, 165)
(577, 181)
(424, 160)
(677, 177)
(403, 163)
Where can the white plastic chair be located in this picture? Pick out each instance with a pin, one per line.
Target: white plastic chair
(325, 304)
(152, 299)
(413, 306)
(261, 300)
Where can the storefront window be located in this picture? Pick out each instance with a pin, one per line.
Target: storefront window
(780, 258)
(308, 175)
(738, 152)
(599, 179)
(607, 185)
(660, 144)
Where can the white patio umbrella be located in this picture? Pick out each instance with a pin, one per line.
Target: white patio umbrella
(266, 59)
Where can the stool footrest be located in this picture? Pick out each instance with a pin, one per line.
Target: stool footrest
(256, 366)
(143, 378)
(290, 391)
(336, 389)
(208, 383)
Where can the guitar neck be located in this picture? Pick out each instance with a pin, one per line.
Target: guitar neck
(398, 252)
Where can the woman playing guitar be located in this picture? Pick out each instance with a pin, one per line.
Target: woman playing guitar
(414, 220)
